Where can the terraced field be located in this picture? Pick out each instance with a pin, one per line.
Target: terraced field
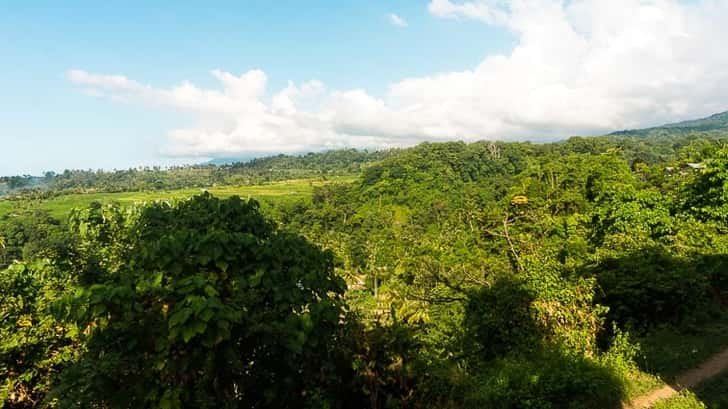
(279, 191)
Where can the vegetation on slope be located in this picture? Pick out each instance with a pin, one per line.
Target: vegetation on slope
(445, 275)
(253, 172)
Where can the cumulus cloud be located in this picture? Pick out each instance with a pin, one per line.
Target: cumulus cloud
(396, 20)
(579, 67)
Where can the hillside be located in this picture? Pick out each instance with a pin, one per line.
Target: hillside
(713, 123)
(650, 145)
(446, 275)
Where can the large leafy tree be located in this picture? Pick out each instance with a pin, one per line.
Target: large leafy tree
(707, 195)
(200, 304)
(34, 347)
(30, 235)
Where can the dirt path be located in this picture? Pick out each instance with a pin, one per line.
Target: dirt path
(708, 369)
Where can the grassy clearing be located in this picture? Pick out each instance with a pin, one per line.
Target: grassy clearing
(278, 191)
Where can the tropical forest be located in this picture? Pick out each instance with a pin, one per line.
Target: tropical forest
(583, 273)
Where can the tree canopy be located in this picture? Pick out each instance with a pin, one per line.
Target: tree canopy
(446, 275)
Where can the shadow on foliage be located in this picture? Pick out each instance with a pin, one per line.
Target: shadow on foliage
(675, 304)
(514, 367)
(713, 392)
(651, 287)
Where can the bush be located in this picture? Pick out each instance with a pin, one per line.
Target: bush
(650, 287)
(537, 308)
(499, 319)
(33, 346)
(200, 304)
(549, 379)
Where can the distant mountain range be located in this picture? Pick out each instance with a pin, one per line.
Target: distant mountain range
(232, 160)
(716, 122)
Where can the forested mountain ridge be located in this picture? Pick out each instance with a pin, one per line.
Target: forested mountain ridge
(252, 172)
(715, 122)
(643, 145)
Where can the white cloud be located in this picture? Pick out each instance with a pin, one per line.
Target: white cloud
(396, 20)
(579, 66)
(487, 11)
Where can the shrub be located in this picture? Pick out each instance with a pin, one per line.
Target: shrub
(33, 345)
(649, 287)
(549, 379)
(200, 304)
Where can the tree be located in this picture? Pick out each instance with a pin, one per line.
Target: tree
(31, 235)
(200, 304)
(33, 345)
(707, 195)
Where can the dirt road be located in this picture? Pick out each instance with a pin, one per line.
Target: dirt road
(708, 369)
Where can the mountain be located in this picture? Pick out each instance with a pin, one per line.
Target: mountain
(716, 122)
(713, 122)
(232, 160)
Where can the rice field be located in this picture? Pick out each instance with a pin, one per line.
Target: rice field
(288, 190)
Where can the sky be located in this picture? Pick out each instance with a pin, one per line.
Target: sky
(89, 84)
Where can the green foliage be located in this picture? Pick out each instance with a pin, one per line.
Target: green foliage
(34, 346)
(628, 218)
(252, 172)
(31, 235)
(650, 286)
(685, 400)
(711, 394)
(388, 367)
(549, 379)
(458, 295)
(200, 303)
(602, 238)
(500, 319)
(714, 392)
(671, 350)
(538, 309)
(59, 205)
(707, 195)
(565, 307)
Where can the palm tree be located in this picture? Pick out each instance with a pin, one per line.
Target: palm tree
(2, 250)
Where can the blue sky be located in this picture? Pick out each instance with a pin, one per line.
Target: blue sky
(440, 77)
(46, 123)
